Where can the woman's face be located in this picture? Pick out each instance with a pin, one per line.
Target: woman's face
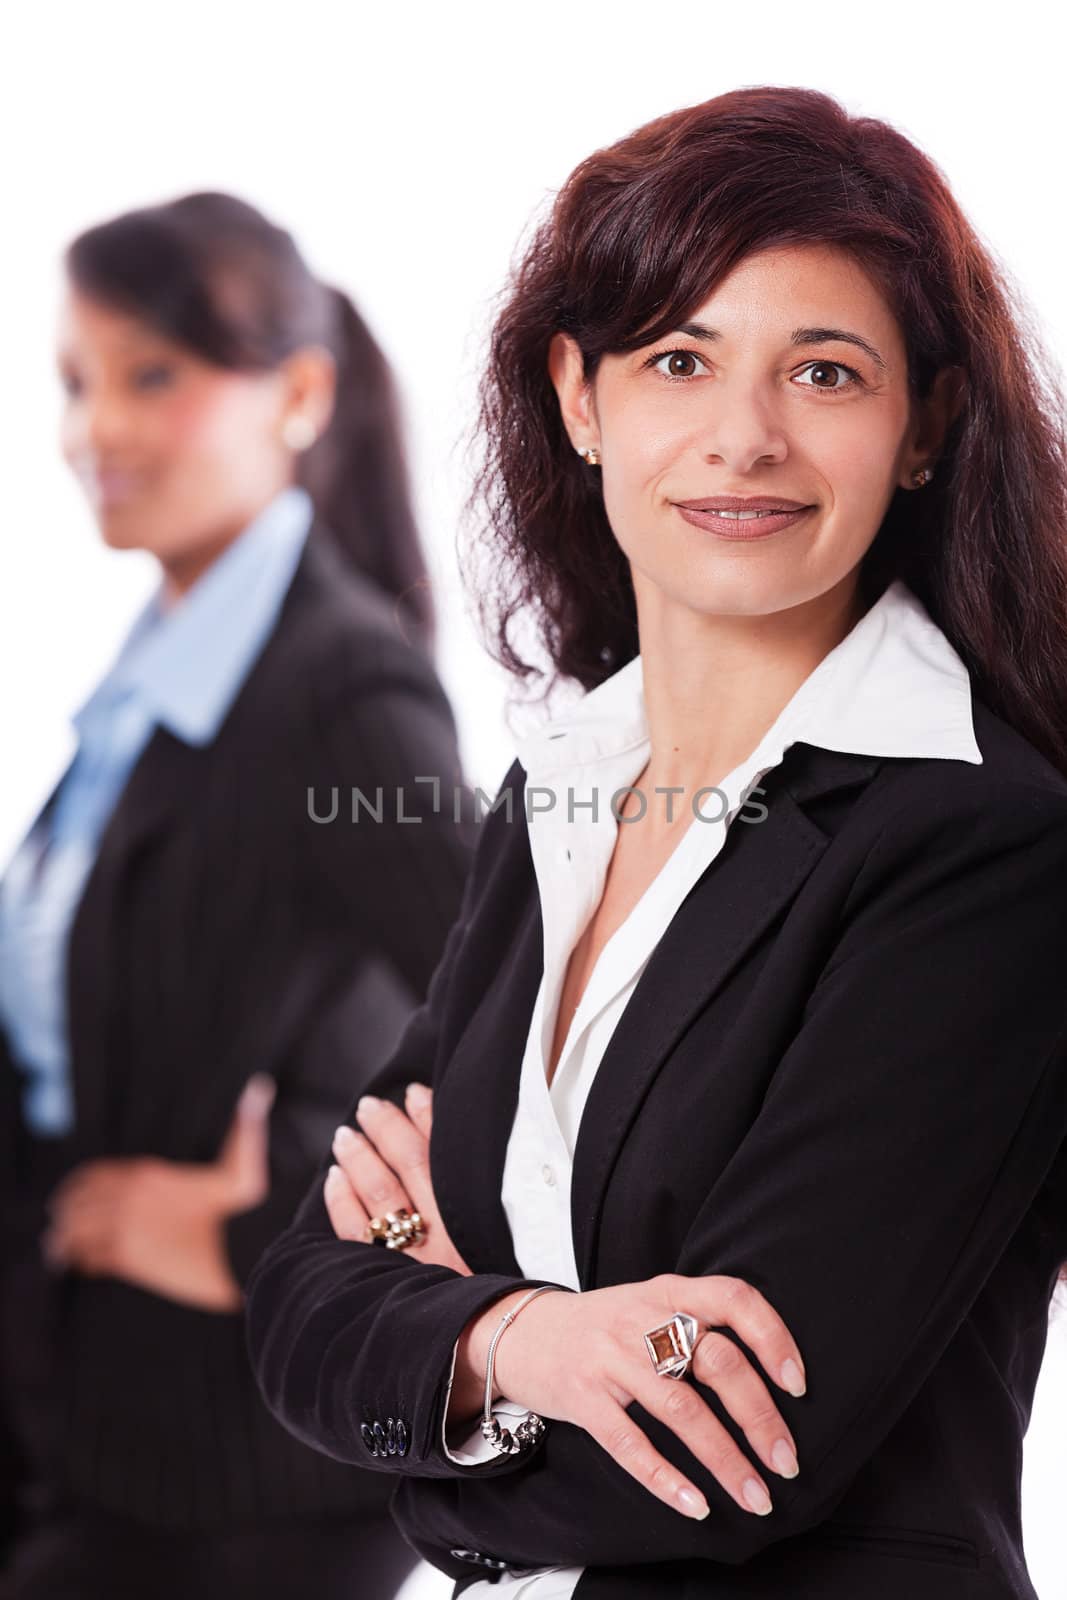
(176, 455)
(789, 381)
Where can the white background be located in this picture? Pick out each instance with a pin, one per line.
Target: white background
(407, 147)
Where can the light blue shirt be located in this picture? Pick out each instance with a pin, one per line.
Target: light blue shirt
(180, 668)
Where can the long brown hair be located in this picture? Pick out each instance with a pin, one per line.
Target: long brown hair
(637, 238)
(214, 274)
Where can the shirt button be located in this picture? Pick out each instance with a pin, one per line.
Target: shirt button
(548, 1175)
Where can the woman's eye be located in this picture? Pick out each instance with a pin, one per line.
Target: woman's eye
(821, 369)
(678, 363)
(154, 376)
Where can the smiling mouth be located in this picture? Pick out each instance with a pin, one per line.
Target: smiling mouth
(746, 516)
(111, 488)
(740, 525)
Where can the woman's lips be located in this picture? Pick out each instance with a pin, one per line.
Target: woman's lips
(746, 528)
(111, 488)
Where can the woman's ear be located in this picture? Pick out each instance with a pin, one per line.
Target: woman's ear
(937, 413)
(310, 382)
(947, 399)
(567, 371)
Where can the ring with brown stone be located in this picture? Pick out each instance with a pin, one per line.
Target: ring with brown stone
(671, 1345)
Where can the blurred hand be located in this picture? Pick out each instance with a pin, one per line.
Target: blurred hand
(159, 1224)
(385, 1167)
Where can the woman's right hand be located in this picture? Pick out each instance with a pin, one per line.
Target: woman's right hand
(582, 1358)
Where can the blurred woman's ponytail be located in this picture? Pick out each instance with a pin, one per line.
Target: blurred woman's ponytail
(356, 472)
(214, 274)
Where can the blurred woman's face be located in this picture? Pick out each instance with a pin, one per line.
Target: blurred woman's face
(789, 381)
(175, 455)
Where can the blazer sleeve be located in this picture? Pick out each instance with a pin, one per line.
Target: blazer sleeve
(349, 1038)
(394, 858)
(343, 1334)
(395, 886)
(905, 1133)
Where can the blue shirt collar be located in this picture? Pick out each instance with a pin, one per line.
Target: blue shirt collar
(185, 664)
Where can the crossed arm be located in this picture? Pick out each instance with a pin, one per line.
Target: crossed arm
(927, 1085)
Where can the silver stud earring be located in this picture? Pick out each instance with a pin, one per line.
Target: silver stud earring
(921, 476)
(590, 455)
(299, 432)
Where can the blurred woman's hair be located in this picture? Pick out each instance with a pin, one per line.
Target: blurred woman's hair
(640, 234)
(212, 273)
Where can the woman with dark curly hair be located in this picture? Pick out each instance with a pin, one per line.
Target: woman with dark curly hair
(724, 1262)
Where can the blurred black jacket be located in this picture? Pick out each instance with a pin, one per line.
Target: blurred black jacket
(225, 931)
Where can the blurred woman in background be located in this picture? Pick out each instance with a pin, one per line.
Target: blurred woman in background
(201, 949)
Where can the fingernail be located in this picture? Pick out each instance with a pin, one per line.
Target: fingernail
(334, 1174)
(693, 1504)
(345, 1138)
(418, 1094)
(257, 1096)
(784, 1461)
(369, 1102)
(756, 1496)
(792, 1377)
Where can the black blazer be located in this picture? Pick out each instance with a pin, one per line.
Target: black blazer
(843, 1077)
(224, 932)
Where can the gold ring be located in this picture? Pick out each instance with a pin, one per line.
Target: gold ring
(397, 1230)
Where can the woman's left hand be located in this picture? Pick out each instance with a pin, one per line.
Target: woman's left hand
(159, 1224)
(385, 1166)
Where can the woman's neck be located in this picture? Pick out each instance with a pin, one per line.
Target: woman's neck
(713, 685)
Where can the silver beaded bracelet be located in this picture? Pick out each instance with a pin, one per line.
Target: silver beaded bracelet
(531, 1429)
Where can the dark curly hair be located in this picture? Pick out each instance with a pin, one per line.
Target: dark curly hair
(637, 238)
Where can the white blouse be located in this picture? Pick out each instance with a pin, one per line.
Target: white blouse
(893, 687)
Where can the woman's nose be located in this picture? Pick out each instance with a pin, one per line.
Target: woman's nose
(741, 427)
(106, 422)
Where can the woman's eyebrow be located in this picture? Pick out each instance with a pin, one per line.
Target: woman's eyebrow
(799, 336)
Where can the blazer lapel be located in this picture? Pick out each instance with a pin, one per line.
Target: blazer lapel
(759, 870)
(475, 1116)
(161, 787)
(750, 883)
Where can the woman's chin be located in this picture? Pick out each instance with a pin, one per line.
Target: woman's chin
(118, 528)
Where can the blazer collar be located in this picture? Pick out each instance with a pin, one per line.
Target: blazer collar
(758, 872)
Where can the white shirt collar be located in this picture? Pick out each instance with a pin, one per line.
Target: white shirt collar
(894, 686)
